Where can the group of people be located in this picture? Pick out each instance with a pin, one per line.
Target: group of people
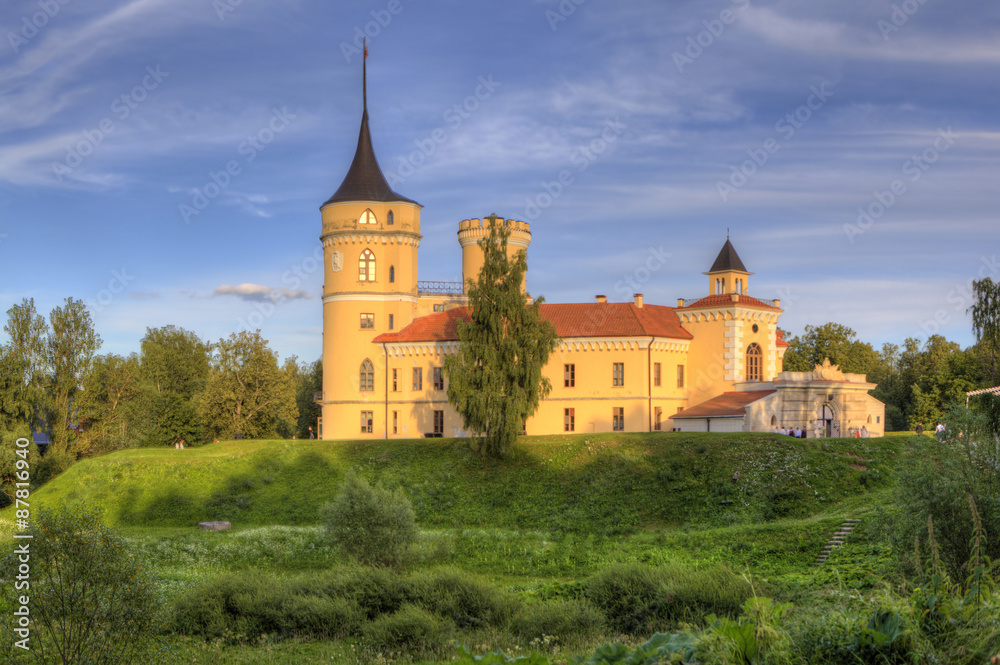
(797, 432)
(938, 429)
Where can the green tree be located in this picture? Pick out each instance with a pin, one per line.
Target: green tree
(175, 369)
(835, 341)
(986, 324)
(110, 404)
(247, 393)
(310, 383)
(495, 378)
(92, 600)
(70, 348)
(25, 364)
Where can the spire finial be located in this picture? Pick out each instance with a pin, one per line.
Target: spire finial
(727, 233)
(364, 76)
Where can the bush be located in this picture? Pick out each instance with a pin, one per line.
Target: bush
(373, 525)
(630, 595)
(91, 599)
(411, 629)
(697, 593)
(558, 619)
(374, 591)
(468, 602)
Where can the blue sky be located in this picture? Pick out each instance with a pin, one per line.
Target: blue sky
(621, 131)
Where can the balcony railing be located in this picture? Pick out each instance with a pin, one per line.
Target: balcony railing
(446, 288)
(318, 397)
(690, 301)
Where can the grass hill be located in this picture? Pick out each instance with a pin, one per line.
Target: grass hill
(594, 483)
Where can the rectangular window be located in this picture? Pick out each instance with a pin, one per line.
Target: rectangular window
(680, 376)
(319, 428)
(679, 409)
(366, 422)
(657, 418)
(618, 419)
(618, 374)
(395, 383)
(569, 376)
(418, 378)
(656, 374)
(438, 378)
(569, 420)
(390, 322)
(367, 321)
(395, 422)
(438, 308)
(439, 422)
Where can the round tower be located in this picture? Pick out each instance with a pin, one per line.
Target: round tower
(471, 231)
(370, 240)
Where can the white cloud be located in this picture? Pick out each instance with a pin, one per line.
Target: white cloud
(260, 293)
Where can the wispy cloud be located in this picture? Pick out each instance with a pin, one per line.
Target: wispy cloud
(260, 293)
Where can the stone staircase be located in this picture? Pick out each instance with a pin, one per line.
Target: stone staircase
(838, 538)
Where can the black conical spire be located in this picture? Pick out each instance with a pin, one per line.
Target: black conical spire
(364, 180)
(728, 259)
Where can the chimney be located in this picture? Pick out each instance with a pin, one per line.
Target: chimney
(638, 300)
(680, 302)
(601, 298)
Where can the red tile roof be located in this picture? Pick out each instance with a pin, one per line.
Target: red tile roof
(726, 299)
(726, 404)
(570, 320)
(780, 338)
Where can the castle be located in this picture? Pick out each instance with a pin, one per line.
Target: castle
(709, 364)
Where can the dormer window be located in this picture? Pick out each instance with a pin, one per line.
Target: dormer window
(367, 217)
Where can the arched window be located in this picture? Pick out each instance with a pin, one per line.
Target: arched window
(392, 274)
(754, 356)
(718, 287)
(367, 217)
(366, 381)
(389, 219)
(366, 266)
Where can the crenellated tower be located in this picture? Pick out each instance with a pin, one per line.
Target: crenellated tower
(471, 231)
(370, 240)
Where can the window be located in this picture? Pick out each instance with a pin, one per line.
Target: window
(367, 378)
(569, 420)
(618, 374)
(319, 428)
(392, 274)
(657, 418)
(367, 321)
(680, 376)
(366, 266)
(438, 308)
(679, 409)
(439, 422)
(569, 376)
(618, 419)
(656, 374)
(418, 378)
(395, 418)
(739, 286)
(366, 422)
(753, 362)
(389, 219)
(395, 384)
(367, 217)
(391, 320)
(438, 378)
(718, 287)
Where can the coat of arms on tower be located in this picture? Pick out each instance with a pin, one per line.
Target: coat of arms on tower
(336, 261)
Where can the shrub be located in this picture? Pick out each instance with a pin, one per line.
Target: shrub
(92, 600)
(373, 525)
(465, 600)
(558, 619)
(630, 595)
(696, 593)
(374, 591)
(411, 629)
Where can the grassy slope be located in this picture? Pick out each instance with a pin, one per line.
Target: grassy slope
(599, 483)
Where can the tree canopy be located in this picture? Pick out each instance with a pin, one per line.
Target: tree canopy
(495, 379)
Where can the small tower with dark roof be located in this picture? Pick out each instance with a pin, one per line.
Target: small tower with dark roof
(370, 238)
(728, 274)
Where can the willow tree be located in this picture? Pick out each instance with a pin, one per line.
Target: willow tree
(495, 379)
(986, 322)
